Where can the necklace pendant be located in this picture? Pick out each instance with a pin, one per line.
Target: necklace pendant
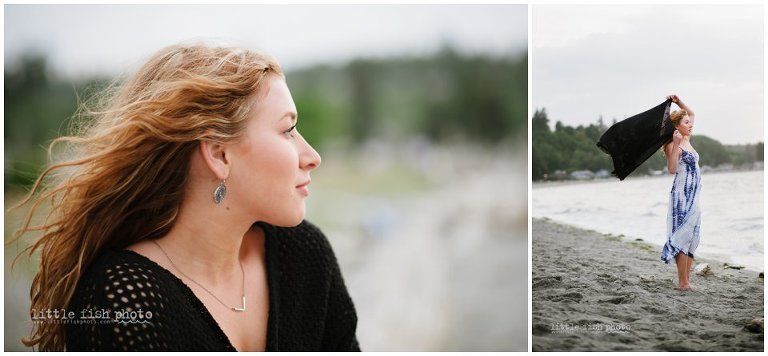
(241, 309)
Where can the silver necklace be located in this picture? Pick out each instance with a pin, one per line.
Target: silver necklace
(240, 309)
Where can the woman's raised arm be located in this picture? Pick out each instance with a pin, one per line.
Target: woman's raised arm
(675, 99)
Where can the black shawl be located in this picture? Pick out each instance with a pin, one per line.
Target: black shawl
(633, 140)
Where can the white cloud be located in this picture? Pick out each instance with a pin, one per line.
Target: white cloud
(712, 56)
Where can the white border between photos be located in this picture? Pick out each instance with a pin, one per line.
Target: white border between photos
(530, 84)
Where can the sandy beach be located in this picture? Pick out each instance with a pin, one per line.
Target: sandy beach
(598, 292)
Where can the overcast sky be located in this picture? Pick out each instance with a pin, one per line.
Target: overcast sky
(114, 38)
(617, 61)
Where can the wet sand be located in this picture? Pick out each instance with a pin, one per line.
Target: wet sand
(597, 292)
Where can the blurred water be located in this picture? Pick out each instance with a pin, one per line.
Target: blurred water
(441, 267)
(731, 204)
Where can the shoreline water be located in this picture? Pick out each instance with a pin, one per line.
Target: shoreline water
(652, 246)
(599, 292)
(567, 182)
(732, 212)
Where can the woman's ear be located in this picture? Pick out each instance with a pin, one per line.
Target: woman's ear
(215, 157)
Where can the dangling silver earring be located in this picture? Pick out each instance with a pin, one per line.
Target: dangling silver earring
(220, 192)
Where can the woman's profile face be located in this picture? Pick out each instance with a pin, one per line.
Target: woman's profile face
(269, 175)
(685, 126)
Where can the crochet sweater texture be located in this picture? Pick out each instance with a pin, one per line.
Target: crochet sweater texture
(309, 306)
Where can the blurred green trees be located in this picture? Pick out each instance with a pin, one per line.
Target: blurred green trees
(570, 149)
(445, 97)
(37, 107)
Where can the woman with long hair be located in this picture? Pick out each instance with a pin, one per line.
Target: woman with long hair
(684, 216)
(176, 222)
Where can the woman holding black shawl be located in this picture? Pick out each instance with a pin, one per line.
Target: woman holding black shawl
(684, 216)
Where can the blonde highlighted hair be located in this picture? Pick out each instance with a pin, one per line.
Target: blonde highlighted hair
(677, 115)
(125, 177)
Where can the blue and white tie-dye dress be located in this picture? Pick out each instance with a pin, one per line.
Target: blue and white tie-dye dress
(684, 216)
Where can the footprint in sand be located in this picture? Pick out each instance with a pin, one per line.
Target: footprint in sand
(540, 329)
(546, 282)
(651, 284)
(620, 299)
(673, 346)
(654, 310)
(606, 279)
(566, 297)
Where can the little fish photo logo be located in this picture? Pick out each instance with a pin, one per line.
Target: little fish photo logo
(90, 316)
(570, 328)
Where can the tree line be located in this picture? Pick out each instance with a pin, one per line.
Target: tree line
(443, 97)
(569, 149)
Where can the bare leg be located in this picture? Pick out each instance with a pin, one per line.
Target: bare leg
(681, 260)
(689, 269)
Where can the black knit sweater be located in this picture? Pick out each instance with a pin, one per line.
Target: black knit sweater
(309, 307)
